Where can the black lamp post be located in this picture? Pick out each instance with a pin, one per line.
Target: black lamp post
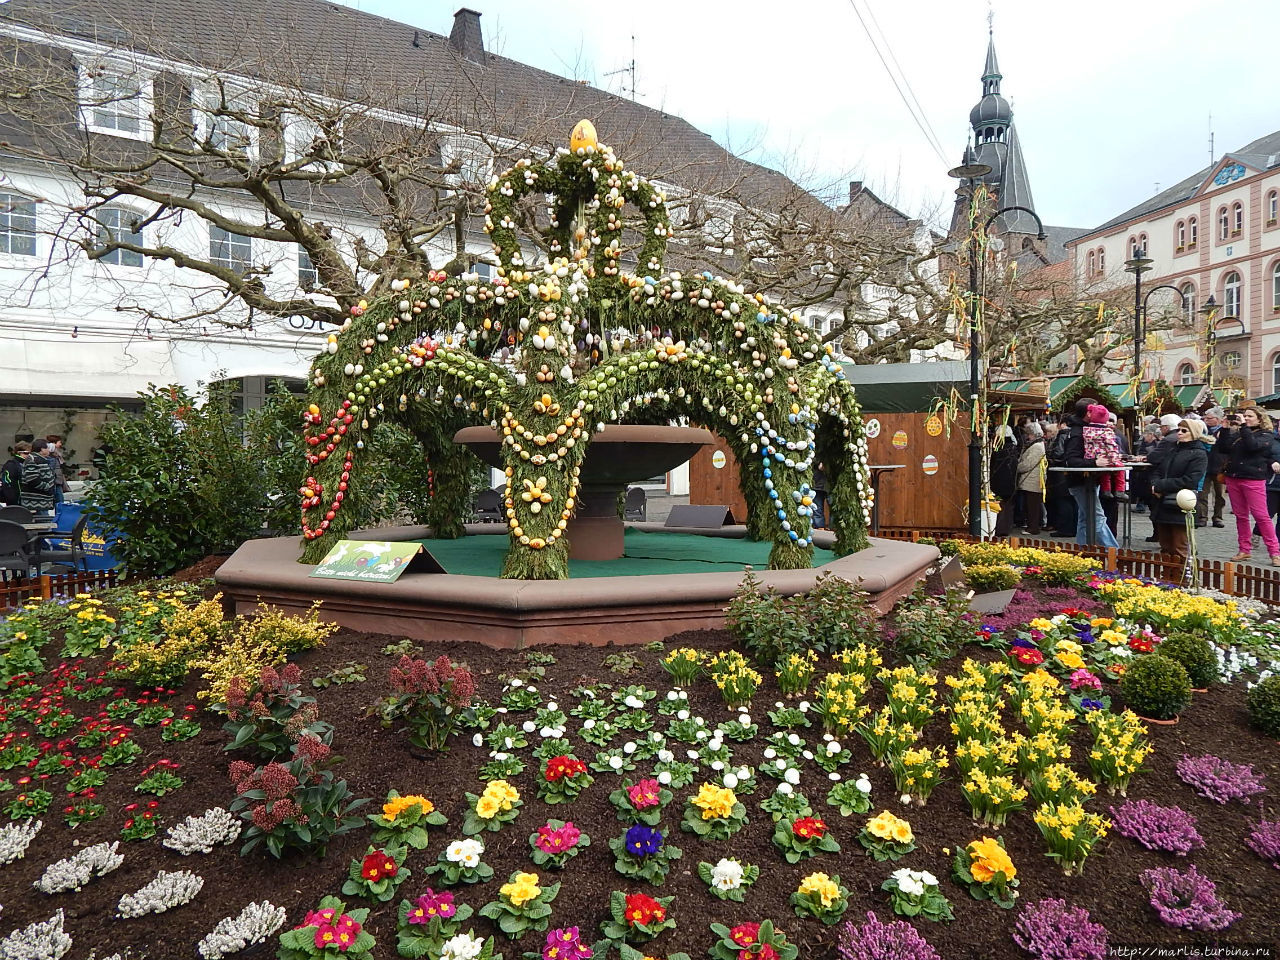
(969, 172)
(1138, 264)
(1210, 311)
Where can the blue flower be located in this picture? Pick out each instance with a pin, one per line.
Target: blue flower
(643, 841)
(1084, 634)
(1022, 642)
(1087, 704)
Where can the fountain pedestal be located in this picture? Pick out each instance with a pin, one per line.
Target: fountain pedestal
(619, 455)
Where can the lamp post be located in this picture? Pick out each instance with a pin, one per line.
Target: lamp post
(1210, 311)
(1138, 264)
(969, 171)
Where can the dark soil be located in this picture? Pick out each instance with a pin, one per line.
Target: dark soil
(202, 569)
(377, 760)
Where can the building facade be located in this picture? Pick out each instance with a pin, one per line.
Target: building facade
(1216, 235)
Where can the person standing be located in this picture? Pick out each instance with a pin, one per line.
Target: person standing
(819, 497)
(37, 481)
(1214, 487)
(1246, 442)
(11, 475)
(1084, 486)
(1183, 469)
(1004, 477)
(1031, 469)
(57, 461)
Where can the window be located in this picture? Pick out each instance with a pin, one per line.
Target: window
(1185, 373)
(308, 279)
(119, 225)
(305, 137)
(1193, 231)
(226, 132)
(1275, 373)
(1273, 203)
(1231, 295)
(1232, 359)
(1102, 260)
(1182, 234)
(230, 250)
(1134, 247)
(1189, 304)
(1237, 218)
(113, 101)
(17, 225)
(1093, 264)
(1143, 246)
(1275, 286)
(1224, 224)
(483, 270)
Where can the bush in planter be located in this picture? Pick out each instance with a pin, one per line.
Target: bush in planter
(984, 578)
(1264, 705)
(1156, 687)
(1196, 655)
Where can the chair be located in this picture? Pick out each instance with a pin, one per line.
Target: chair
(17, 514)
(14, 554)
(75, 553)
(636, 506)
(489, 507)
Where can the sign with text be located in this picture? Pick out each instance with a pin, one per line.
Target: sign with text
(374, 561)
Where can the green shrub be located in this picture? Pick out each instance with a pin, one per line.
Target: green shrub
(1196, 655)
(1263, 702)
(764, 624)
(1156, 687)
(929, 629)
(839, 615)
(985, 578)
(262, 639)
(185, 635)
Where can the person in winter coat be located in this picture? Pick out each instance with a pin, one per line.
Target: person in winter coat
(1079, 483)
(1183, 469)
(1214, 485)
(1031, 470)
(1246, 441)
(1004, 478)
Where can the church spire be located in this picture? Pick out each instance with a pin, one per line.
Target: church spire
(991, 75)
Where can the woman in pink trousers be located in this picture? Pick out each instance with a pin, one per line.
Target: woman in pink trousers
(1246, 439)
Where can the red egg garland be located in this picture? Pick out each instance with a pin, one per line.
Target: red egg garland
(312, 490)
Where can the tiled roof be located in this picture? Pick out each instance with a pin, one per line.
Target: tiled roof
(1262, 154)
(411, 70)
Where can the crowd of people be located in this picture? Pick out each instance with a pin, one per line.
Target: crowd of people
(1222, 456)
(34, 476)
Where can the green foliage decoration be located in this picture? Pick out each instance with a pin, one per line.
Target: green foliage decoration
(1263, 702)
(1196, 654)
(547, 355)
(1156, 687)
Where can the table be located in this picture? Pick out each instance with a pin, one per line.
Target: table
(878, 470)
(1091, 530)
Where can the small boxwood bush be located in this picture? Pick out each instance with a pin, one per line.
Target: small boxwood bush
(985, 578)
(1196, 655)
(1156, 687)
(1264, 705)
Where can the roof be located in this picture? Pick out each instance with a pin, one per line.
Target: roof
(338, 50)
(1261, 154)
(905, 387)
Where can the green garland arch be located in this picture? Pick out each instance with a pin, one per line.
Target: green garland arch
(549, 354)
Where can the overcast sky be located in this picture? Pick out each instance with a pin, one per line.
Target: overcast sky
(1110, 99)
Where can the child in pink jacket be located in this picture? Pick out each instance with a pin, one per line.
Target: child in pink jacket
(1100, 444)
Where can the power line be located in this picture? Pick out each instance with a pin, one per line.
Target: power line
(937, 144)
(916, 114)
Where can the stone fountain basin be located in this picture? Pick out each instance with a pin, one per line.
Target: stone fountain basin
(619, 454)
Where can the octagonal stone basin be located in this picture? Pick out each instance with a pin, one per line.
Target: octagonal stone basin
(619, 455)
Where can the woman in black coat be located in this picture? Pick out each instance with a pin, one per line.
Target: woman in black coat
(1183, 469)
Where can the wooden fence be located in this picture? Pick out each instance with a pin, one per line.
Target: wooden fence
(1233, 579)
(16, 592)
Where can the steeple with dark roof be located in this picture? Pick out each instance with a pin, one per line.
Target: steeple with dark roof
(995, 143)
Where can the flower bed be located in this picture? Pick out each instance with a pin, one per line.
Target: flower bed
(559, 691)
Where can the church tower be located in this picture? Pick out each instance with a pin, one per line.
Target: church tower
(995, 143)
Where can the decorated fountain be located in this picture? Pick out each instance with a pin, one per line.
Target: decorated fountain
(543, 362)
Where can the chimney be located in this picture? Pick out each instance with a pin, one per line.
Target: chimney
(855, 188)
(466, 37)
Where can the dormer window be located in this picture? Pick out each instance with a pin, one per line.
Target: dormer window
(115, 100)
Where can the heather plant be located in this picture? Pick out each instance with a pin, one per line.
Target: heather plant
(1264, 840)
(428, 700)
(1051, 929)
(1219, 780)
(268, 716)
(1155, 686)
(1263, 702)
(873, 940)
(295, 805)
(1170, 829)
(1188, 900)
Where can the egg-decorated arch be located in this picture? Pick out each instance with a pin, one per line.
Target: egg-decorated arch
(548, 354)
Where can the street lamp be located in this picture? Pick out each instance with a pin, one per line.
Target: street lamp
(1138, 264)
(969, 171)
(1140, 329)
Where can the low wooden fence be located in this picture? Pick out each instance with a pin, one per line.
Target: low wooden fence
(1233, 579)
(16, 592)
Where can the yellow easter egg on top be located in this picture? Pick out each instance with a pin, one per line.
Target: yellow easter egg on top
(583, 136)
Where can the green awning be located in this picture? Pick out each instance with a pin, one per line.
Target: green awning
(1187, 394)
(1056, 385)
(906, 387)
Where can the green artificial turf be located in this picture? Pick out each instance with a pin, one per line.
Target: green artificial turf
(646, 553)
